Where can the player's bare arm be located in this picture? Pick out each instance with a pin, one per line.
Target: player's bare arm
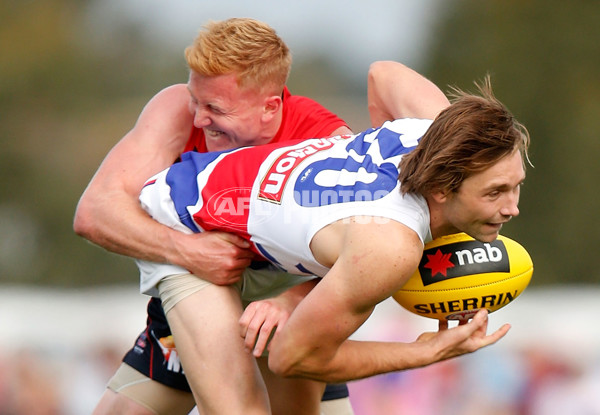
(109, 213)
(378, 261)
(369, 267)
(109, 202)
(396, 91)
(341, 131)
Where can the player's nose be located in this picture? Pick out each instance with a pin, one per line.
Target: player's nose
(510, 206)
(201, 118)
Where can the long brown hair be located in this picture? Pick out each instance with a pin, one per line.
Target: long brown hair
(467, 137)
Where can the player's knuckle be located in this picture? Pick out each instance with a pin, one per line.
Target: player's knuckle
(266, 329)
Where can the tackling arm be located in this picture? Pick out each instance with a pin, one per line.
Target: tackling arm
(109, 213)
(396, 91)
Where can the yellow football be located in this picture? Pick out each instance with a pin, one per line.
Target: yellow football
(458, 276)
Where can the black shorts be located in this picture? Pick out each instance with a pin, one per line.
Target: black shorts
(153, 355)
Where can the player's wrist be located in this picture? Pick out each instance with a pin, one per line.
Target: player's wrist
(174, 248)
(421, 353)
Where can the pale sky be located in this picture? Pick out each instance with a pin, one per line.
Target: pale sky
(350, 31)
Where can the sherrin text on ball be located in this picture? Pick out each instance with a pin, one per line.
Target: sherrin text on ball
(458, 276)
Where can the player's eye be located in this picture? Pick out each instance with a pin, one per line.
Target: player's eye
(215, 110)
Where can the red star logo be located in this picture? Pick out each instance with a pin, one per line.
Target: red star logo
(439, 263)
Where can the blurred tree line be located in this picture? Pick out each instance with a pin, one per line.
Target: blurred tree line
(69, 91)
(65, 98)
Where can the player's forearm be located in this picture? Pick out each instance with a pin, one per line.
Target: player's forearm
(121, 226)
(297, 293)
(396, 91)
(351, 360)
(357, 360)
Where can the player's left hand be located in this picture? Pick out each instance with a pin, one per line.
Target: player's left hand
(261, 320)
(462, 339)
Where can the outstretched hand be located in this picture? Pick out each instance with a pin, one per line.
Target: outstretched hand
(467, 337)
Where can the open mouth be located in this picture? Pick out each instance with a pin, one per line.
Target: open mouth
(496, 226)
(213, 133)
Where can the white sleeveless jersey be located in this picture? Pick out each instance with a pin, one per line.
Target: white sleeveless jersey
(279, 196)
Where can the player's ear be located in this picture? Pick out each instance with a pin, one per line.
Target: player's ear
(272, 106)
(439, 196)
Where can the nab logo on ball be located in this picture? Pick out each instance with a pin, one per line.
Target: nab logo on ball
(458, 275)
(463, 258)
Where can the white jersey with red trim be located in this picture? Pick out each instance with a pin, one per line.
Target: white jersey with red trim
(278, 196)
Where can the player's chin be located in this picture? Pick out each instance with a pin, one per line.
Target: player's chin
(222, 143)
(490, 232)
(487, 232)
(217, 140)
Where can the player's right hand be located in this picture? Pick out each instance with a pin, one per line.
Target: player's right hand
(218, 257)
(465, 338)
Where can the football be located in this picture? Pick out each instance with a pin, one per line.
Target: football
(458, 276)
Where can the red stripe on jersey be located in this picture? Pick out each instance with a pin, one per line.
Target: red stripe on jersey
(149, 182)
(272, 185)
(227, 191)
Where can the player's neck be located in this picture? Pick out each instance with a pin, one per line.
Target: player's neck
(438, 224)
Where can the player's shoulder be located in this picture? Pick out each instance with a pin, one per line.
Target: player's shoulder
(292, 101)
(384, 250)
(172, 94)
(299, 101)
(166, 118)
(383, 237)
(171, 102)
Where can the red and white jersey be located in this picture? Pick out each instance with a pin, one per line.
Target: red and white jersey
(279, 195)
